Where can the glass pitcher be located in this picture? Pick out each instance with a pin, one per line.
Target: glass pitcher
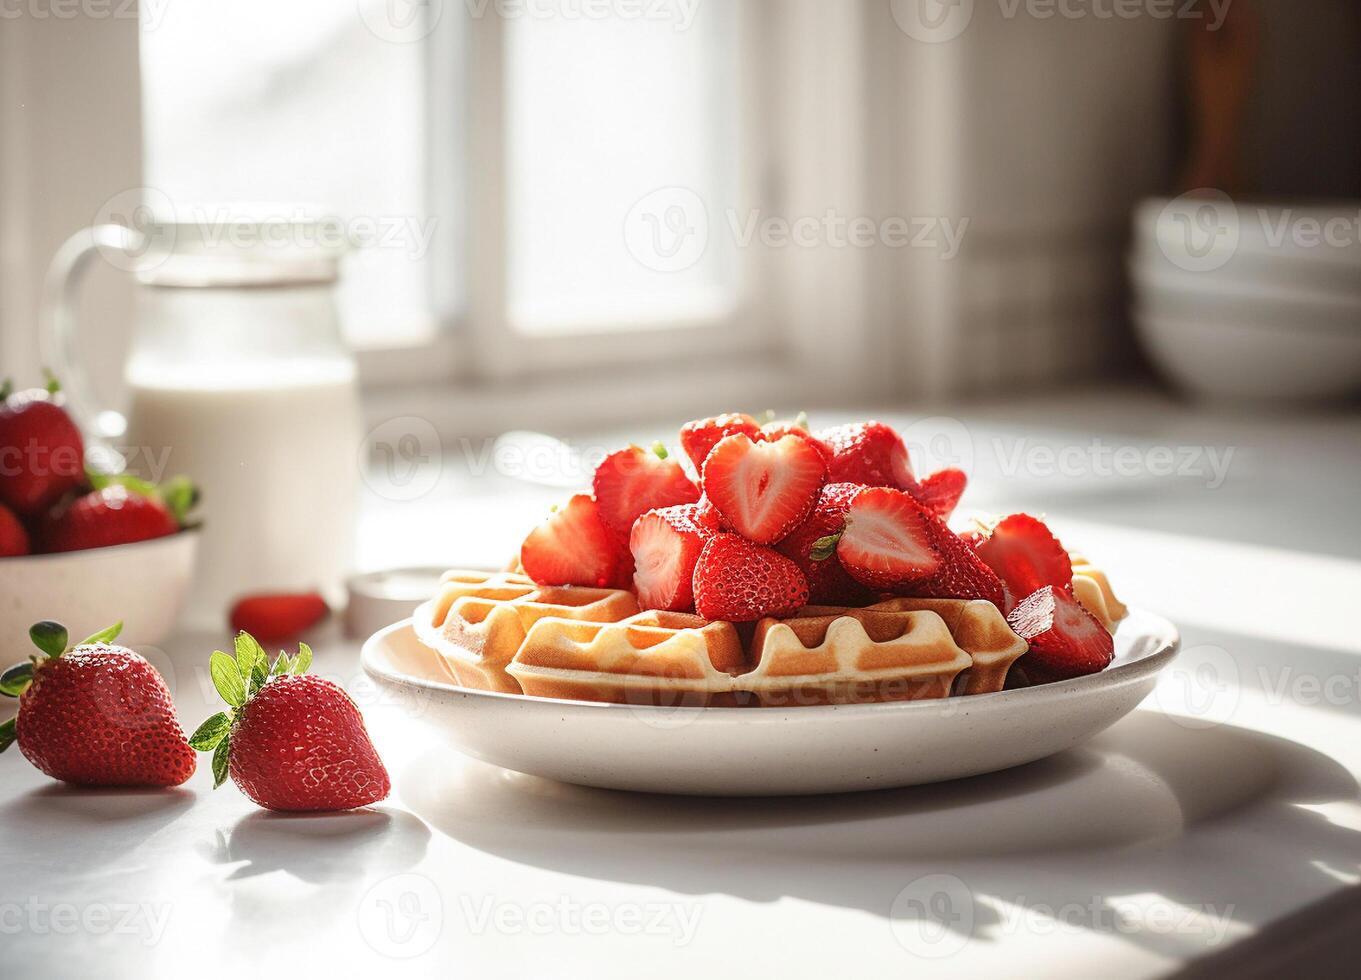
(239, 379)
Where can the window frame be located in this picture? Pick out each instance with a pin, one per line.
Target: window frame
(475, 341)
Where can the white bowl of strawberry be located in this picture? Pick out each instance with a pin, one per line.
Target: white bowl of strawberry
(88, 548)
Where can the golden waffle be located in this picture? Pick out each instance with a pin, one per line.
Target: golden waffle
(980, 630)
(850, 656)
(477, 621)
(651, 658)
(1093, 592)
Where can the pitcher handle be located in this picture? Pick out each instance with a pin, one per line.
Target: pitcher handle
(57, 337)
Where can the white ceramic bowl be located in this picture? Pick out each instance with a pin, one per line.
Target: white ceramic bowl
(1251, 358)
(143, 584)
(771, 751)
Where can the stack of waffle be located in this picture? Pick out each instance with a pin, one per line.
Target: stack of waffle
(501, 632)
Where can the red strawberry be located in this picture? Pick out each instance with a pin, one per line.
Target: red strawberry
(774, 431)
(887, 544)
(13, 538)
(1026, 556)
(633, 481)
(870, 453)
(940, 491)
(707, 515)
(763, 490)
(666, 545)
(962, 574)
(290, 741)
(102, 518)
(738, 581)
(828, 581)
(699, 437)
(41, 453)
(573, 547)
(95, 715)
(1065, 640)
(276, 617)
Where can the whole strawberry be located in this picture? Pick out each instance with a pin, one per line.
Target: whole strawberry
(120, 510)
(42, 455)
(869, 453)
(738, 581)
(14, 540)
(95, 715)
(290, 741)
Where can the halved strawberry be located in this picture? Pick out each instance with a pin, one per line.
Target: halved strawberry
(700, 436)
(940, 491)
(738, 581)
(665, 545)
(828, 582)
(1065, 640)
(870, 453)
(887, 544)
(763, 490)
(573, 547)
(1026, 556)
(633, 481)
(962, 573)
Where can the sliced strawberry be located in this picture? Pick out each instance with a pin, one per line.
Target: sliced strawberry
(828, 582)
(274, 618)
(702, 435)
(665, 545)
(887, 543)
(870, 453)
(573, 547)
(962, 574)
(633, 481)
(763, 490)
(1065, 640)
(940, 491)
(738, 581)
(1026, 556)
(798, 428)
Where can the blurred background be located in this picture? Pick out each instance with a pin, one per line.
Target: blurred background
(559, 208)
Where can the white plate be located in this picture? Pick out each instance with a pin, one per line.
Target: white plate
(772, 751)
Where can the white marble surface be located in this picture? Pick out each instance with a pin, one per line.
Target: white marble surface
(1227, 802)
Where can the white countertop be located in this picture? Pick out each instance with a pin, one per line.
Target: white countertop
(1228, 802)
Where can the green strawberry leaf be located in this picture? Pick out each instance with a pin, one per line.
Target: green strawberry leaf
(823, 548)
(8, 734)
(801, 420)
(143, 488)
(659, 448)
(227, 678)
(281, 665)
(53, 385)
(49, 637)
(180, 497)
(212, 731)
(303, 660)
(220, 761)
(107, 635)
(6, 389)
(15, 681)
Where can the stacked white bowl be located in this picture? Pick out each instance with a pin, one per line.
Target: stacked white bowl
(1250, 301)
